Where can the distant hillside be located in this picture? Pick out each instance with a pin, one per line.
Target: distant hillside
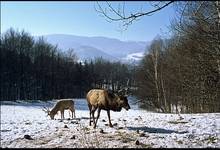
(89, 53)
(92, 47)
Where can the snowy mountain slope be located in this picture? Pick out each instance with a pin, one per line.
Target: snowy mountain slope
(91, 53)
(132, 129)
(133, 58)
(112, 47)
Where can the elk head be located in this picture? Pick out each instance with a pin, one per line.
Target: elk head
(48, 112)
(123, 101)
(123, 94)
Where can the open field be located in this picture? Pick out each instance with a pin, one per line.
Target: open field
(132, 129)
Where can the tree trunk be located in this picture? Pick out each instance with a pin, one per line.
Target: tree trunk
(155, 62)
(164, 92)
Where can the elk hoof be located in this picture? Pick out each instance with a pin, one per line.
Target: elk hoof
(111, 125)
(73, 137)
(28, 137)
(101, 131)
(137, 142)
(115, 124)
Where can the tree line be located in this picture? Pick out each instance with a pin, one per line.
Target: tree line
(182, 73)
(179, 74)
(34, 69)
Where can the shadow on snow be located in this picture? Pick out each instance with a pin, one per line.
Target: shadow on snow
(156, 130)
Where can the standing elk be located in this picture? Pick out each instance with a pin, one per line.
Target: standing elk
(106, 100)
(61, 105)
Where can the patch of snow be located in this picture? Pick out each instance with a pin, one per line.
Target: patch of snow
(135, 56)
(152, 130)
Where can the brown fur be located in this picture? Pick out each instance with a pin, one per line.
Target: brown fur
(101, 99)
(61, 105)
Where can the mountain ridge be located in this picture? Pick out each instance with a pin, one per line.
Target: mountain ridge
(97, 46)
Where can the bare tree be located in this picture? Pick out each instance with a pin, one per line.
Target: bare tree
(111, 13)
(71, 55)
(154, 54)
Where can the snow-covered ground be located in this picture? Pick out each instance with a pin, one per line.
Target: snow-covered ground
(132, 129)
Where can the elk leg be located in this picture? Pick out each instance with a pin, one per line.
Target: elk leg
(93, 117)
(90, 119)
(99, 110)
(70, 111)
(110, 124)
(74, 113)
(90, 113)
(62, 114)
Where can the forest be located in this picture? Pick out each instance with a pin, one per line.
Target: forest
(182, 73)
(34, 69)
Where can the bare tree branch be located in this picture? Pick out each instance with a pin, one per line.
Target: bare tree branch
(119, 14)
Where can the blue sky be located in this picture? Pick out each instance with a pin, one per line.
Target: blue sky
(80, 18)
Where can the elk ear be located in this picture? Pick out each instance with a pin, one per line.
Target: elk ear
(46, 110)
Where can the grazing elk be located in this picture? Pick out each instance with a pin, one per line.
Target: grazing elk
(61, 105)
(106, 100)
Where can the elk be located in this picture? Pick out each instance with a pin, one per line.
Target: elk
(106, 100)
(61, 105)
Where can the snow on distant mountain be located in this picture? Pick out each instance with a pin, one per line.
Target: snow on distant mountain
(90, 53)
(93, 47)
(133, 58)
